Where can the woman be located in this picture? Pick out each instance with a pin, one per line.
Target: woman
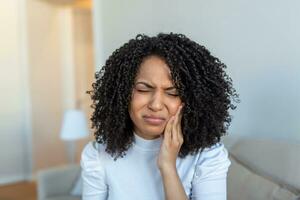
(160, 108)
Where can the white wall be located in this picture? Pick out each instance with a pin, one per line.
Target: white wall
(258, 40)
(46, 81)
(15, 151)
(84, 66)
(46, 60)
(53, 60)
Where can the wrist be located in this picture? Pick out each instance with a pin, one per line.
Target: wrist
(168, 169)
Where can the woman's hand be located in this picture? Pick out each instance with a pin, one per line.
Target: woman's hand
(172, 141)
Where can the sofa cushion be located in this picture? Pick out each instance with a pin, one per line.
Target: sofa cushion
(56, 181)
(77, 186)
(269, 157)
(64, 198)
(243, 184)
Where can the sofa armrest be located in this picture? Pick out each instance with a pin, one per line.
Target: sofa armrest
(56, 181)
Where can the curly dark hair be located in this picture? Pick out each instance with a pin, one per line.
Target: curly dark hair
(202, 84)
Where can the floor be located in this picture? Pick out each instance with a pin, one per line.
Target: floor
(19, 191)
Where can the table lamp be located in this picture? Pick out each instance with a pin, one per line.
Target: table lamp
(74, 127)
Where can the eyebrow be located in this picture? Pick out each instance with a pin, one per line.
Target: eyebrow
(150, 86)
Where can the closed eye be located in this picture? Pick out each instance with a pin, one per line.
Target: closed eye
(174, 95)
(143, 90)
(170, 94)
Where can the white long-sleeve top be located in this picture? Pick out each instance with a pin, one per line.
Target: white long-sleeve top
(136, 176)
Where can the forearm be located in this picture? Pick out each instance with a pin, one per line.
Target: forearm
(172, 185)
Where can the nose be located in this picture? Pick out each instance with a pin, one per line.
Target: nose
(156, 103)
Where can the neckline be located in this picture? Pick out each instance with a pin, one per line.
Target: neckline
(147, 145)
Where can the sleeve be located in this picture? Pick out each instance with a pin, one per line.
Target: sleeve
(93, 175)
(209, 181)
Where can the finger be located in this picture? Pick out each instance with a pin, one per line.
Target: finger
(175, 128)
(179, 113)
(168, 129)
(180, 136)
(177, 116)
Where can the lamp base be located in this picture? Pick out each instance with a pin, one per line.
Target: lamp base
(71, 151)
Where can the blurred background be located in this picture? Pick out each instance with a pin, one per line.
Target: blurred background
(50, 50)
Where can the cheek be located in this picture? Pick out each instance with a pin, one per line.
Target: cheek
(173, 107)
(137, 102)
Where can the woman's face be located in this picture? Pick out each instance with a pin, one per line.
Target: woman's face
(154, 98)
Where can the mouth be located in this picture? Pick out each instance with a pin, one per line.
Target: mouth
(154, 120)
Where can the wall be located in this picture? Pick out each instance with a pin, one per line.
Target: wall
(84, 66)
(14, 106)
(46, 63)
(258, 40)
(55, 33)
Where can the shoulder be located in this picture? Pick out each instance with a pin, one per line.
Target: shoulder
(90, 156)
(90, 151)
(93, 171)
(215, 152)
(213, 161)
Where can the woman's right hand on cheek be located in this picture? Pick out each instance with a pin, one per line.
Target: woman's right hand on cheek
(172, 141)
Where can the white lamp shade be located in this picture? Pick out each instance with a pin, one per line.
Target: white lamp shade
(74, 125)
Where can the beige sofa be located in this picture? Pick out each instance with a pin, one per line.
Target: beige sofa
(261, 169)
(57, 183)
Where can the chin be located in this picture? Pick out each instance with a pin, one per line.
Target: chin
(157, 130)
(152, 132)
(155, 134)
